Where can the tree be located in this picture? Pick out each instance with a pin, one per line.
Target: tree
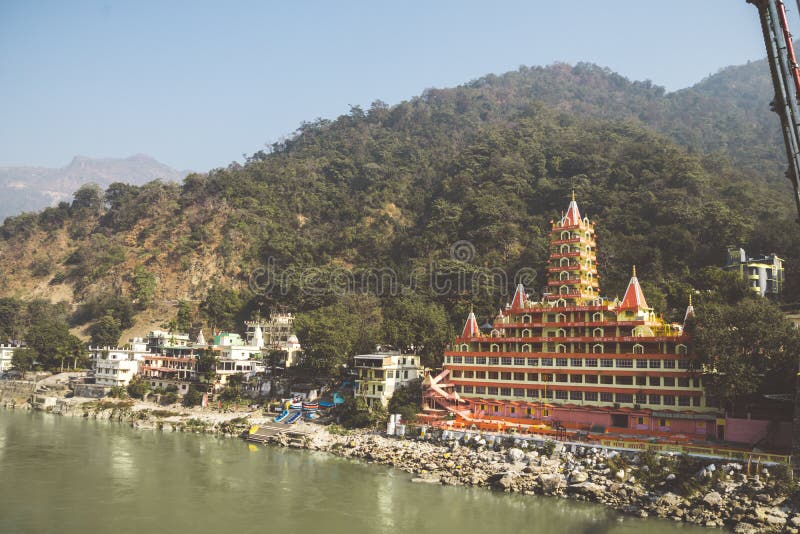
(138, 387)
(750, 347)
(184, 318)
(413, 322)
(105, 332)
(207, 364)
(88, 199)
(10, 314)
(407, 400)
(332, 335)
(143, 286)
(193, 397)
(222, 306)
(23, 360)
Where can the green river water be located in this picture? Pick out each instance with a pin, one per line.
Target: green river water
(68, 475)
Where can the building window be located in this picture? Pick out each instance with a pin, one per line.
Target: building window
(454, 359)
(505, 392)
(669, 381)
(597, 349)
(505, 360)
(591, 379)
(494, 361)
(577, 379)
(625, 363)
(546, 393)
(683, 364)
(597, 332)
(519, 392)
(526, 348)
(590, 396)
(606, 397)
(526, 333)
(625, 397)
(492, 391)
(505, 376)
(533, 362)
(492, 375)
(641, 380)
(683, 382)
(624, 380)
(641, 398)
(641, 364)
(597, 317)
(494, 347)
(469, 360)
(519, 377)
(561, 348)
(638, 349)
(655, 399)
(576, 395)
(533, 377)
(561, 377)
(561, 395)
(669, 400)
(684, 401)
(547, 362)
(468, 389)
(519, 361)
(669, 364)
(561, 362)
(607, 362)
(607, 379)
(480, 361)
(655, 380)
(591, 362)
(576, 362)
(533, 393)
(655, 364)
(480, 390)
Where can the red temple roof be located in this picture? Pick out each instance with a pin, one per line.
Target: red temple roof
(471, 327)
(519, 298)
(634, 297)
(573, 215)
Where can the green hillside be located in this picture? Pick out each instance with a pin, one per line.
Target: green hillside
(671, 180)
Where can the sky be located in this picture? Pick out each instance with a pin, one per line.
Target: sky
(198, 84)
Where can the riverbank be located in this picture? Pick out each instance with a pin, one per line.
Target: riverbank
(743, 498)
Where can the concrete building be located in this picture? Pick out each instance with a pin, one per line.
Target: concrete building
(6, 355)
(381, 373)
(276, 336)
(763, 275)
(576, 359)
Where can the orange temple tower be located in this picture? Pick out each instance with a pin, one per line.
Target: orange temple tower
(575, 360)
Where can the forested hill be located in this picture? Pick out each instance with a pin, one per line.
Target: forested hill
(671, 180)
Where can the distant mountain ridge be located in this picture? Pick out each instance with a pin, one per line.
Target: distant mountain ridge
(34, 188)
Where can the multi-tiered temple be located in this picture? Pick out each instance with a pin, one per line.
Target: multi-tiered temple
(576, 359)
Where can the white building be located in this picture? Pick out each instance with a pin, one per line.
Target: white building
(6, 355)
(276, 336)
(117, 366)
(380, 374)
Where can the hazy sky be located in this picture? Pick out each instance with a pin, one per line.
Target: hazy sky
(196, 84)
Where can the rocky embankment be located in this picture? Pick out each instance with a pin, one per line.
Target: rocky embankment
(644, 485)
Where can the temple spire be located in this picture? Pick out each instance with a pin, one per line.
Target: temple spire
(471, 326)
(689, 311)
(634, 297)
(519, 298)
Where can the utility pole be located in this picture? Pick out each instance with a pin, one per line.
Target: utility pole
(786, 82)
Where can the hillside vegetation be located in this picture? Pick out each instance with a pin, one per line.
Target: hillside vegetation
(671, 180)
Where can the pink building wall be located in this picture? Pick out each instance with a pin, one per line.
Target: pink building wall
(751, 431)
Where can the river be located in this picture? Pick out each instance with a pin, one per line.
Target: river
(69, 475)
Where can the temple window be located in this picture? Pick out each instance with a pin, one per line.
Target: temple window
(680, 349)
(638, 349)
(597, 332)
(597, 349)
